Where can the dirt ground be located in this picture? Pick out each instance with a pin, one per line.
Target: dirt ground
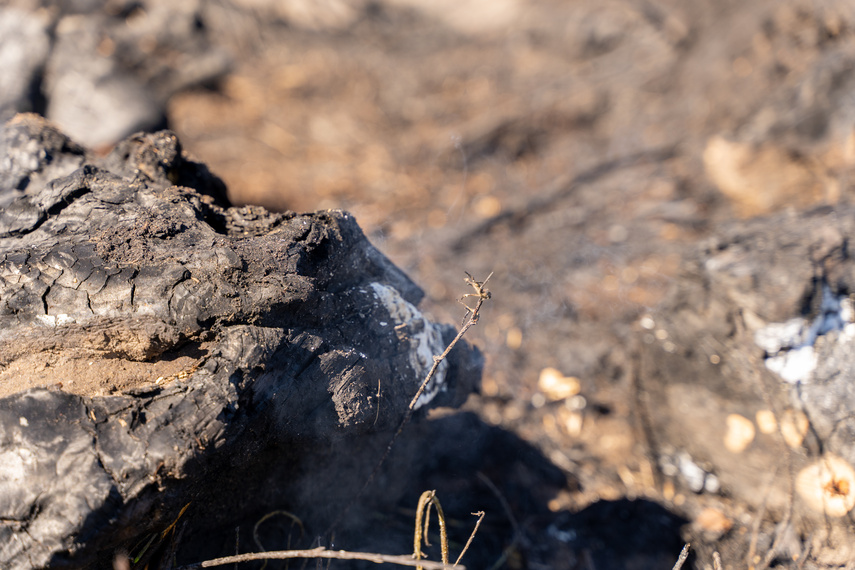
(572, 150)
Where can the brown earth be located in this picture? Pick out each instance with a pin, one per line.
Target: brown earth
(573, 151)
(95, 376)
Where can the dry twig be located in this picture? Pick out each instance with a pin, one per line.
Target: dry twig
(682, 559)
(480, 515)
(426, 500)
(321, 552)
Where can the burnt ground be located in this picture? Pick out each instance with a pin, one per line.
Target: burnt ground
(559, 146)
(573, 150)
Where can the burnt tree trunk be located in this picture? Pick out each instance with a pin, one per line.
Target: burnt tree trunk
(154, 339)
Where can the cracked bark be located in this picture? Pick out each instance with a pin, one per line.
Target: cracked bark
(150, 336)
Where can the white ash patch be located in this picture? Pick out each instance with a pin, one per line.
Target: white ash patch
(693, 475)
(56, 320)
(425, 339)
(789, 346)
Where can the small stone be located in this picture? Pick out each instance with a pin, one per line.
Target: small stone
(766, 421)
(739, 434)
(713, 520)
(556, 386)
(828, 486)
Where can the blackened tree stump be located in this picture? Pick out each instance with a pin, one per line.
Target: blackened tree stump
(152, 338)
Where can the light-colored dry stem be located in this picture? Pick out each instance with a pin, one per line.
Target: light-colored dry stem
(321, 552)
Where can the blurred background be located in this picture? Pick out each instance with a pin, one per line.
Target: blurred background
(573, 149)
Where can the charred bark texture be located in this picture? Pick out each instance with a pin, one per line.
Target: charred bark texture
(284, 327)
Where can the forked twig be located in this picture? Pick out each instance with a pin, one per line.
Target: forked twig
(481, 293)
(480, 515)
(469, 319)
(426, 500)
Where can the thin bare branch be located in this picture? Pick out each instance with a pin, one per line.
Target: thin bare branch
(480, 515)
(321, 552)
(682, 559)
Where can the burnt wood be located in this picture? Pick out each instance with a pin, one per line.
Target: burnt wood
(288, 325)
